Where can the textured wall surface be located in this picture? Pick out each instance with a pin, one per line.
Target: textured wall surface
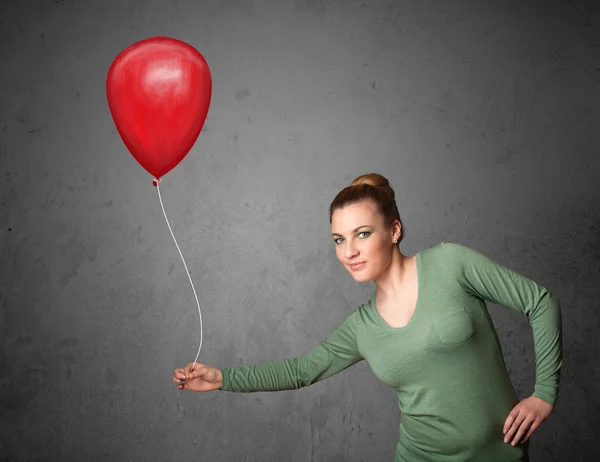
(483, 115)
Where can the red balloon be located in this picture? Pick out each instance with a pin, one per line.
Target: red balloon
(158, 92)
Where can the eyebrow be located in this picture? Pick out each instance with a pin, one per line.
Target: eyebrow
(354, 230)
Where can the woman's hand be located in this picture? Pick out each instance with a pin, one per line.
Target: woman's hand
(528, 414)
(201, 378)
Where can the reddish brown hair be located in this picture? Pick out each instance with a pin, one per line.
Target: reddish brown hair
(371, 186)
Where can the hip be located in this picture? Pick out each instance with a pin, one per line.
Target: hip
(496, 451)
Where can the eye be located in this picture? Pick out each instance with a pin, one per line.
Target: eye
(362, 232)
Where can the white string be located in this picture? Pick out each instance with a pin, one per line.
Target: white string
(186, 269)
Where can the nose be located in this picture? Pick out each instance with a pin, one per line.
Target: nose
(350, 251)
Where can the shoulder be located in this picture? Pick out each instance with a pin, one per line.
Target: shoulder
(365, 311)
(364, 307)
(460, 255)
(441, 249)
(454, 254)
(453, 248)
(444, 246)
(450, 245)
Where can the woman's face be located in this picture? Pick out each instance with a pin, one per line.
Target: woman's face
(359, 236)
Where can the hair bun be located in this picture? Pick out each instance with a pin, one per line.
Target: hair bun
(375, 180)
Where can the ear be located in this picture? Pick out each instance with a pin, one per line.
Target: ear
(397, 230)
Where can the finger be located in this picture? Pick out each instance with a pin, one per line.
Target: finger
(179, 373)
(521, 431)
(514, 427)
(191, 367)
(510, 419)
(199, 372)
(533, 428)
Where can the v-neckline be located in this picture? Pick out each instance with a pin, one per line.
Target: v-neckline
(419, 289)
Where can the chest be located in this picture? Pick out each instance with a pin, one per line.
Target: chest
(399, 311)
(428, 333)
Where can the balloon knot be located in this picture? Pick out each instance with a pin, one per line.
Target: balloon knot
(155, 181)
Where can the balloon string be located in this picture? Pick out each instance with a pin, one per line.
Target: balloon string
(155, 182)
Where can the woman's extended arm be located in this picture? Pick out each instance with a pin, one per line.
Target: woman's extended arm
(484, 278)
(336, 353)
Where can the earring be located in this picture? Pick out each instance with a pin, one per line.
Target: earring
(395, 241)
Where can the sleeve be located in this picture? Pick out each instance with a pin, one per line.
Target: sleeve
(336, 353)
(481, 277)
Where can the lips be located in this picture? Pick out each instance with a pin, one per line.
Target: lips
(357, 265)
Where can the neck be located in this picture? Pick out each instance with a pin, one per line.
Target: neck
(392, 281)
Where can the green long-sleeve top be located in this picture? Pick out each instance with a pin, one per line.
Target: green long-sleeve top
(446, 364)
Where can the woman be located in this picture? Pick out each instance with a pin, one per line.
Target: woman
(426, 332)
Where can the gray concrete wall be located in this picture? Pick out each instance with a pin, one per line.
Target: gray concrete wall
(483, 115)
